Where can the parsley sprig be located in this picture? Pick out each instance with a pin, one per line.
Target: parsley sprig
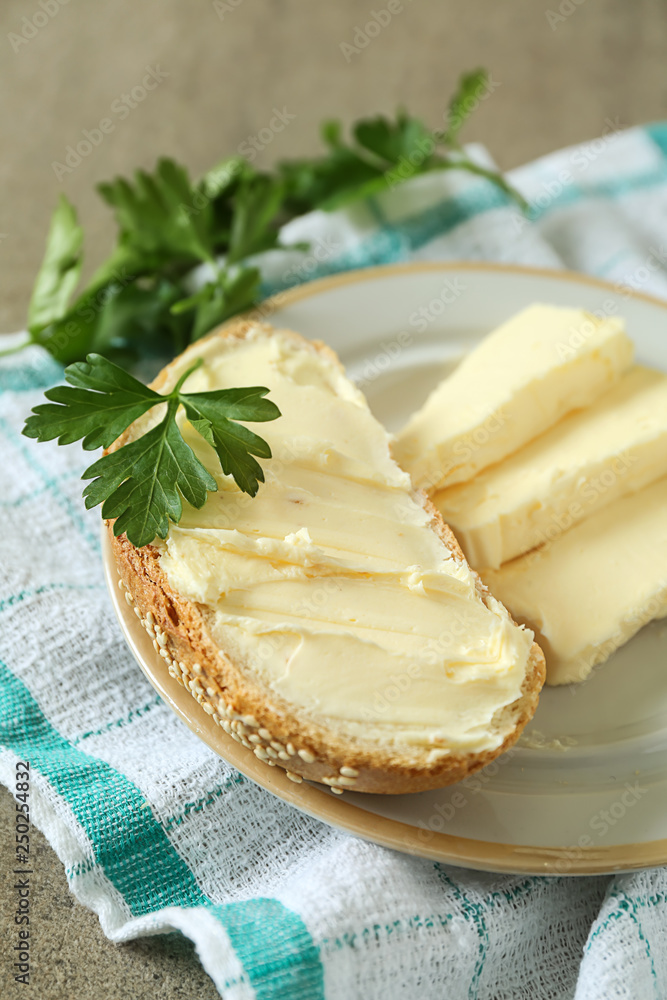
(140, 302)
(142, 485)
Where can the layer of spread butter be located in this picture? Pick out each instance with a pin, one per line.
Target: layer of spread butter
(329, 583)
(595, 586)
(520, 380)
(587, 460)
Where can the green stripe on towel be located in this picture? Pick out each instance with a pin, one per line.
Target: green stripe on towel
(127, 841)
(275, 948)
(273, 944)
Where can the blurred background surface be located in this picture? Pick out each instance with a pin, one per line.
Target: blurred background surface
(217, 72)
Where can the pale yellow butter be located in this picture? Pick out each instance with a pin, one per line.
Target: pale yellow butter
(593, 588)
(587, 460)
(520, 380)
(329, 583)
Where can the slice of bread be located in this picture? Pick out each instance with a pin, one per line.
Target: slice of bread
(331, 624)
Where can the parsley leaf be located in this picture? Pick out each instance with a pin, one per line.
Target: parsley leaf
(254, 223)
(61, 267)
(218, 300)
(390, 141)
(103, 403)
(142, 484)
(234, 444)
(471, 89)
(157, 216)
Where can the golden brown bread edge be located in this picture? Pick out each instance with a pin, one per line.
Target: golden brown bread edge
(271, 728)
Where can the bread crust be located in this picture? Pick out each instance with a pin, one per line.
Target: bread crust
(255, 716)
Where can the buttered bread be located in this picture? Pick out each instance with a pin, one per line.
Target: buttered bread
(331, 623)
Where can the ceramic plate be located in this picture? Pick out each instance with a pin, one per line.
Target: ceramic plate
(585, 790)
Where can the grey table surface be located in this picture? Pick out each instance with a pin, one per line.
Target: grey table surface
(222, 69)
(72, 960)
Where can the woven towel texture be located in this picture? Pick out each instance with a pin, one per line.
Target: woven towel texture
(279, 905)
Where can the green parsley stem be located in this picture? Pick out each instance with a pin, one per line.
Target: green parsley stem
(177, 388)
(498, 179)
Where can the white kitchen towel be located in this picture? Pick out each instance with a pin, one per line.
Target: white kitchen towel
(156, 832)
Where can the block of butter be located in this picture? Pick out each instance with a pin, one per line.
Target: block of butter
(520, 380)
(585, 461)
(594, 587)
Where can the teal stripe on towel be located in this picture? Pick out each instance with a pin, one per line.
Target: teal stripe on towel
(657, 131)
(127, 841)
(393, 243)
(275, 948)
(41, 372)
(273, 944)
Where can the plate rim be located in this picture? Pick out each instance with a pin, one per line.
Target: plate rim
(309, 288)
(480, 855)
